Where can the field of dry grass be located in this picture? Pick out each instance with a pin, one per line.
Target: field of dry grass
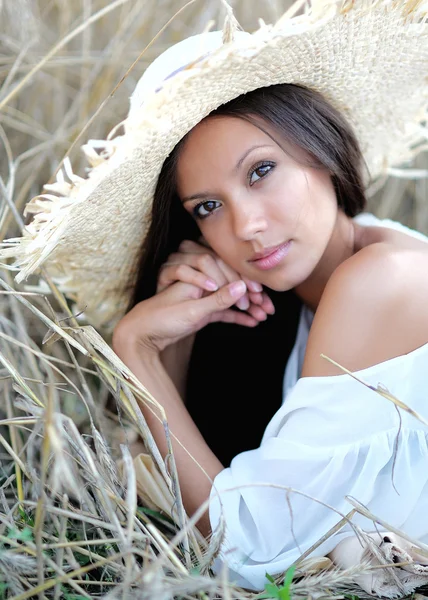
(71, 523)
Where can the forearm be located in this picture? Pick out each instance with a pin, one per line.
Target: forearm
(187, 441)
(175, 358)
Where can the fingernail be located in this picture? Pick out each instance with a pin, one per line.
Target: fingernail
(237, 288)
(211, 285)
(255, 287)
(243, 303)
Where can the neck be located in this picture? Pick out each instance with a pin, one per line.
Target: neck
(342, 245)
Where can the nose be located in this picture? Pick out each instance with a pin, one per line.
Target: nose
(248, 220)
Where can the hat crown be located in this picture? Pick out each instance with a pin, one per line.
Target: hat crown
(174, 59)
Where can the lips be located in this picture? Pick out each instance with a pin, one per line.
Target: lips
(265, 253)
(271, 257)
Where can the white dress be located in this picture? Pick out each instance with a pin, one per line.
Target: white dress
(331, 438)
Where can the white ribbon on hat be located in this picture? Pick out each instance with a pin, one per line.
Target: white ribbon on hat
(175, 59)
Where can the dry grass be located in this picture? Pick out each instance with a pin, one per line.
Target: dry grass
(71, 525)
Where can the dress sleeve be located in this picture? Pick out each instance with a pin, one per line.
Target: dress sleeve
(332, 437)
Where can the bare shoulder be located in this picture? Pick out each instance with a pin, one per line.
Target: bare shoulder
(373, 308)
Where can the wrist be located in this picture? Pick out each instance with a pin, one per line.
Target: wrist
(126, 344)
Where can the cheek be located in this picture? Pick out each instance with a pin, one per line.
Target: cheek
(223, 244)
(323, 188)
(290, 191)
(313, 199)
(215, 236)
(290, 205)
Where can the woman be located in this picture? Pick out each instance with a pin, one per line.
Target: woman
(257, 184)
(273, 188)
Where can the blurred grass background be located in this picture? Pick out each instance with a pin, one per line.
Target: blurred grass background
(60, 61)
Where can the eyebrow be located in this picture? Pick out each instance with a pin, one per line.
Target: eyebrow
(244, 156)
(238, 165)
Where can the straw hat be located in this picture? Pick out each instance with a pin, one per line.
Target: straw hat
(368, 57)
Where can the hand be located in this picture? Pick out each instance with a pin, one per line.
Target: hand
(198, 265)
(175, 313)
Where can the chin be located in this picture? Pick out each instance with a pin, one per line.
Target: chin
(284, 281)
(279, 284)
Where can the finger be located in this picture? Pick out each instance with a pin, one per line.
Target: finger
(256, 309)
(228, 274)
(207, 261)
(232, 275)
(257, 312)
(256, 297)
(190, 247)
(200, 261)
(216, 302)
(235, 317)
(261, 306)
(243, 303)
(172, 273)
(263, 301)
(267, 304)
(181, 292)
(253, 286)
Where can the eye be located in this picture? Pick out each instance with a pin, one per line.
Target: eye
(205, 209)
(259, 171)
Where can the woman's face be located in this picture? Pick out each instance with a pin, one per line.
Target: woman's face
(260, 207)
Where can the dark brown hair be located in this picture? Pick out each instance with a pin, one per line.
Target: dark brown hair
(299, 115)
